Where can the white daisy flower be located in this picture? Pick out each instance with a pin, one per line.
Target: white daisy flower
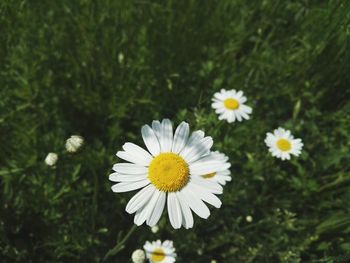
(138, 256)
(158, 252)
(282, 144)
(51, 159)
(223, 175)
(73, 143)
(229, 104)
(169, 173)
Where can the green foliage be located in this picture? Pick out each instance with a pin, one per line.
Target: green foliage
(102, 69)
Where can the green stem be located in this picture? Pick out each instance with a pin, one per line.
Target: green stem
(120, 245)
(6, 172)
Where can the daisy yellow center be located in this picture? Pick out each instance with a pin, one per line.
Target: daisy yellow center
(284, 145)
(231, 104)
(206, 176)
(158, 255)
(168, 172)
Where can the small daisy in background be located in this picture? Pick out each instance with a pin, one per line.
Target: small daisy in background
(168, 173)
(160, 252)
(51, 159)
(282, 144)
(223, 175)
(74, 143)
(229, 105)
(138, 256)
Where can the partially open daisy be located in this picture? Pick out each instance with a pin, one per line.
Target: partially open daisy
(282, 144)
(158, 252)
(170, 172)
(229, 104)
(223, 175)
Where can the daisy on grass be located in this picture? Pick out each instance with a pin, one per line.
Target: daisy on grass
(169, 172)
(229, 104)
(223, 175)
(282, 144)
(158, 252)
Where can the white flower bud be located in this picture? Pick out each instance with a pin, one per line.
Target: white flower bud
(155, 229)
(74, 143)
(51, 159)
(213, 261)
(249, 219)
(121, 58)
(138, 256)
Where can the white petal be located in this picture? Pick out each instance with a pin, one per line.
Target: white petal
(180, 137)
(141, 215)
(144, 213)
(195, 203)
(115, 177)
(220, 110)
(217, 104)
(157, 210)
(140, 199)
(142, 155)
(205, 195)
(151, 140)
(207, 167)
(157, 127)
(129, 186)
(127, 156)
(194, 139)
(129, 168)
(238, 115)
(174, 210)
(211, 186)
(279, 132)
(187, 218)
(198, 150)
(219, 96)
(239, 94)
(166, 136)
(224, 115)
(231, 116)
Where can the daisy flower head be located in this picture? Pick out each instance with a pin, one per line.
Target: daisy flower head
(282, 144)
(160, 252)
(168, 173)
(223, 175)
(229, 105)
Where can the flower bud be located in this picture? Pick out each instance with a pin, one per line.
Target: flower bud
(138, 256)
(155, 229)
(74, 143)
(51, 159)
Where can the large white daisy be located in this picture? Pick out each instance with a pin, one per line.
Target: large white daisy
(282, 144)
(229, 104)
(223, 175)
(169, 173)
(158, 252)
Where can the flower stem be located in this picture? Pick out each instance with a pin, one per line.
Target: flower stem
(120, 245)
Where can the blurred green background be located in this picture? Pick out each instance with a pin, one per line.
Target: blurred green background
(102, 69)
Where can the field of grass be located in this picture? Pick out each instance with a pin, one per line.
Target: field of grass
(103, 69)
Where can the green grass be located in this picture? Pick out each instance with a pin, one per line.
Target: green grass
(102, 69)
